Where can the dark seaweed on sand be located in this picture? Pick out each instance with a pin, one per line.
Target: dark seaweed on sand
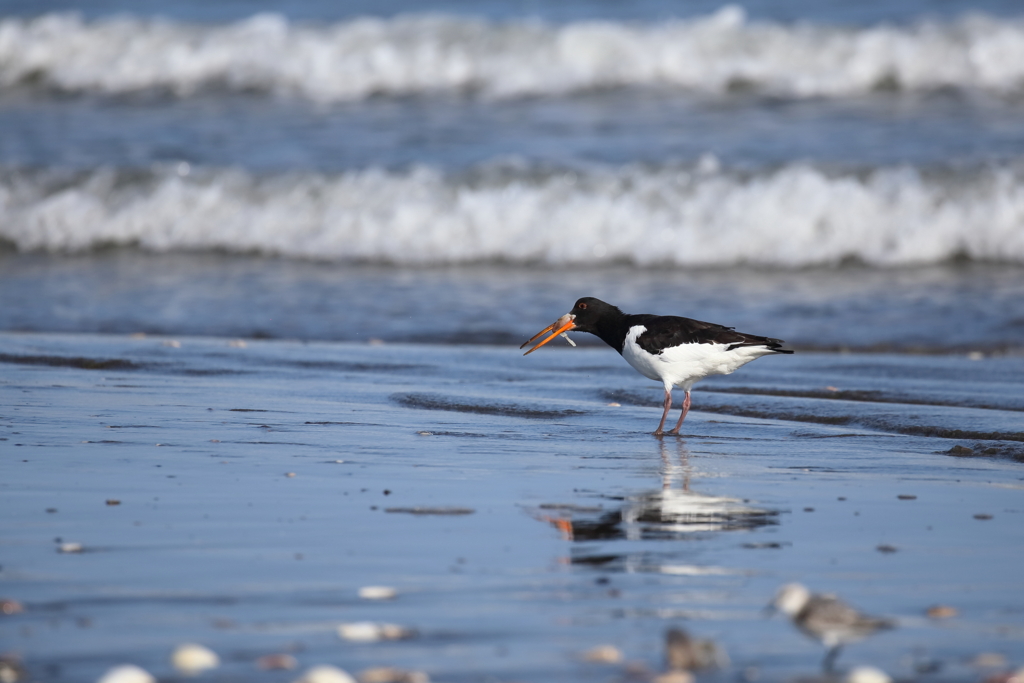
(72, 362)
(432, 402)
(881, 424)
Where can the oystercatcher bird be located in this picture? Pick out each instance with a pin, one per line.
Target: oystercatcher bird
(674, 351)
(826, 618)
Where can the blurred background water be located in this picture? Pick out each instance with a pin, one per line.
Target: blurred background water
(841, 175)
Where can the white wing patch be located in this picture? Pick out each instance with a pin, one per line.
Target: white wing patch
(681, 366)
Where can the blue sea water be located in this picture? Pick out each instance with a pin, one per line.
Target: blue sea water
(768, 142)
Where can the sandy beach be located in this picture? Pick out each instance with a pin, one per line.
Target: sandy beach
(265, 266)
(239, 494)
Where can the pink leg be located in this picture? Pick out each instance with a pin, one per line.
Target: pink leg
(668, 406)
(682, 415)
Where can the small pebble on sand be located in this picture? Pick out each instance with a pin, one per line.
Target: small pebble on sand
(127, 673)
(192, 658)
(11, 607)
(377, 593)
(941, 612)
(277, 662)
(683, 653)
(1016, 677)
(113, 501)
(325, 674)
(906, 496)
(603, 654)
(867, 674)
(389, 674)
(370, 632)
(11, 669)
(982, 516)
(989, 660)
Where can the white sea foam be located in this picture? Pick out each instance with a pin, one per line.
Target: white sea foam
(792, 216)
(420, 53)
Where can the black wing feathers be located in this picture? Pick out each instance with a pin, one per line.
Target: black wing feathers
(664, 331)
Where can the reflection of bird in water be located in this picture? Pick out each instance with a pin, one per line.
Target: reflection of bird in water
(677, 352)
(672, 512)
(683, 653)
(826, 618)
(675, 509)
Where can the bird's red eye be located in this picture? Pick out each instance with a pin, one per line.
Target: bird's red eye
(581, 305)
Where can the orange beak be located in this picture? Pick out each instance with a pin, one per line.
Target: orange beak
(560, 326)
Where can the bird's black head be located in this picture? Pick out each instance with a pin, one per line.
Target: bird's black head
(588, 311)
(588, 315)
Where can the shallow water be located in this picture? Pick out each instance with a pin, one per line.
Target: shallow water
(585, 529)
(940, 309)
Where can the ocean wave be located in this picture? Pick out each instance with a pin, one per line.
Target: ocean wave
(415, 54)
(700, 215)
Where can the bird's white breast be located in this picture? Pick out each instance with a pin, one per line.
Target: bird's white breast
(683, 365)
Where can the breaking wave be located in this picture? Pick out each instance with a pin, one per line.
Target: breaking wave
(699, 215)
(414, 54)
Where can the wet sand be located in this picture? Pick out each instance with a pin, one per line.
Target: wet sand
(239, 495)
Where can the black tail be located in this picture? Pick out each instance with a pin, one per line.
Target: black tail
(774, 345)
(751, 340)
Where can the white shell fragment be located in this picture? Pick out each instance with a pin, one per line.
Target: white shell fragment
(377, 593)
(191, 659)
(867, 674)
(388, 674)
(325, 674)
(11, 669)
(603, 654)
(674, 677)
(127, 673)
(370, 632)
(70, 548)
